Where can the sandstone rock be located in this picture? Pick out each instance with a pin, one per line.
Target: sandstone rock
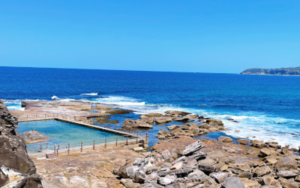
(153, 115)
(173, 127)
(133, 124)
(224, 139)
(192, 125)
(219, 177)
(286, 163)
(286, 174)
(76, 181)
(178, 143)
(163, 120)
(290, 183)
(204, 126)
(166, 155)
(215, 122)
(265, 152)
(129, 183)
(138, 149)
(34, 137)
(197, 175)
(261, 171)
(176, 113)
(257, 143)
(143, 125)
(166, 180)
(232, 182)
(250, 183)
(207, 168)
(196, 146)
(243, 141)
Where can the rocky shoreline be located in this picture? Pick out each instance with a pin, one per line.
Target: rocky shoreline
(180, 160)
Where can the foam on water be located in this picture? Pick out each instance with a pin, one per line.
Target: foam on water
(91, 94)
(13, 104)
(252, 125)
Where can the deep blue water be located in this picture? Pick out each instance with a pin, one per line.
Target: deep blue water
(267, 107)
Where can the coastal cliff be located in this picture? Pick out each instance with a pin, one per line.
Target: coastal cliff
(16, 168)
(295, 71)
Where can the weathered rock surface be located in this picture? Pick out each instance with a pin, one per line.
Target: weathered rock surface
(134, 124)
(34, 137)
(16, 167)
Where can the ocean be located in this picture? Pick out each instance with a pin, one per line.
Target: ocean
(267, 108)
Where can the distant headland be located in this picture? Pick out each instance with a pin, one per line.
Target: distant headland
(292, 71)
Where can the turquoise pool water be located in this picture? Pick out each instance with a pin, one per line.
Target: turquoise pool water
(63, 133)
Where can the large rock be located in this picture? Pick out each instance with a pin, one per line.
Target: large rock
(225, 139)
(232, 182)
(286, 163)
(134, 124)
(176, 113)
(13, 155)
(34, 136)
(178, 143)
(163, 120)
(196, 146)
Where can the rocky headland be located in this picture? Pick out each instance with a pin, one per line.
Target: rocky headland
(16, 168)
(295, 71)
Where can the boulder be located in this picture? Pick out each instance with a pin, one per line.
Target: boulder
(166, 180)
(257, 143)
(173, 127)
(163, 120)
(225, 139)
(286, 163)
(34, 136)
(289, 183)
(176, 113)
(286, 174)
(265, 152)
(261, 171)
(243, 141)
(179, 143)
(219, 177)
(196, 146)
(214, 122)
(134, 124)
(232, 182)
(129, 183)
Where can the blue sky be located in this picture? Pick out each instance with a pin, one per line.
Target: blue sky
(169, 35)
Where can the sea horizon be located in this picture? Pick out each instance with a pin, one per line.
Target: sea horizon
(265, 107)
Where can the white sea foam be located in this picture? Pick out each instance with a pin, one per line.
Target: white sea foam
(252, 125)
(92, 94)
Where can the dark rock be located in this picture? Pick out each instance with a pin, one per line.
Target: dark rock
(207, 168)
(13, 154)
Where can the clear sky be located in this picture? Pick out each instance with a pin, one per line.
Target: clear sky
(223, 36)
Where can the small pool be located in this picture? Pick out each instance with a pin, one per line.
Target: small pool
(63, 133)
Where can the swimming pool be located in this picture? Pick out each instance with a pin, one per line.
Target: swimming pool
(63, 133)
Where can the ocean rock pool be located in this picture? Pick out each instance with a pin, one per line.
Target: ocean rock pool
(63, 133)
